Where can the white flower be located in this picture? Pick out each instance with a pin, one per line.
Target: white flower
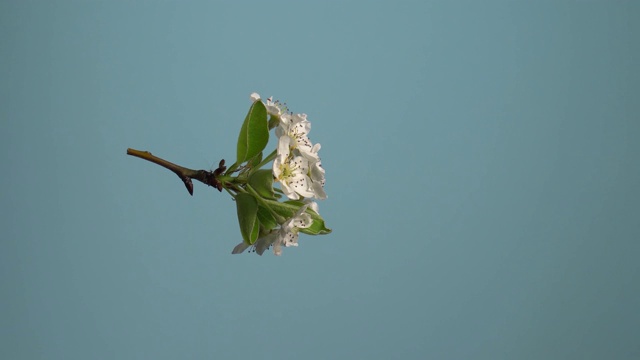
(274, 108)
(294, 141)
(287, 234)
(284, 146)
(313, 205)
(240, 248)
(317, 181)
(316, 172)
(254, 97)
(265, 242)
(292, 133)
(292, 173)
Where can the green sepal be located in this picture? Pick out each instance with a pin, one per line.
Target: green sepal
(262, 182)
(254, 133)
(247, 207)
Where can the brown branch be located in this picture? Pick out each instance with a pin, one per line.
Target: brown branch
(185, 174)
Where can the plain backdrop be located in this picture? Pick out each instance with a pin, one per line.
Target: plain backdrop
(481, 161)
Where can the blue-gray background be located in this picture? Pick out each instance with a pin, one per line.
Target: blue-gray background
(482, 172)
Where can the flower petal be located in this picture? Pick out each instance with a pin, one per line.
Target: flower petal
(313, 205)
(264, 242)
(284, 144)
(240, 248)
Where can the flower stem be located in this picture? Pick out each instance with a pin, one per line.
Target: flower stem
(277, 216)
(185, 174)
(266, 160)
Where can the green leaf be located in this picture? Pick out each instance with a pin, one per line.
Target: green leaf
(247, 207)
(255, 232)
(254, 133)
(266, 218)
(289, 208)
(318, 227)
(255, 161)
(262, 182)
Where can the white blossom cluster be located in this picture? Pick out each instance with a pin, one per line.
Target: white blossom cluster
(286, 234)
(298, 169)
(297, 165)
